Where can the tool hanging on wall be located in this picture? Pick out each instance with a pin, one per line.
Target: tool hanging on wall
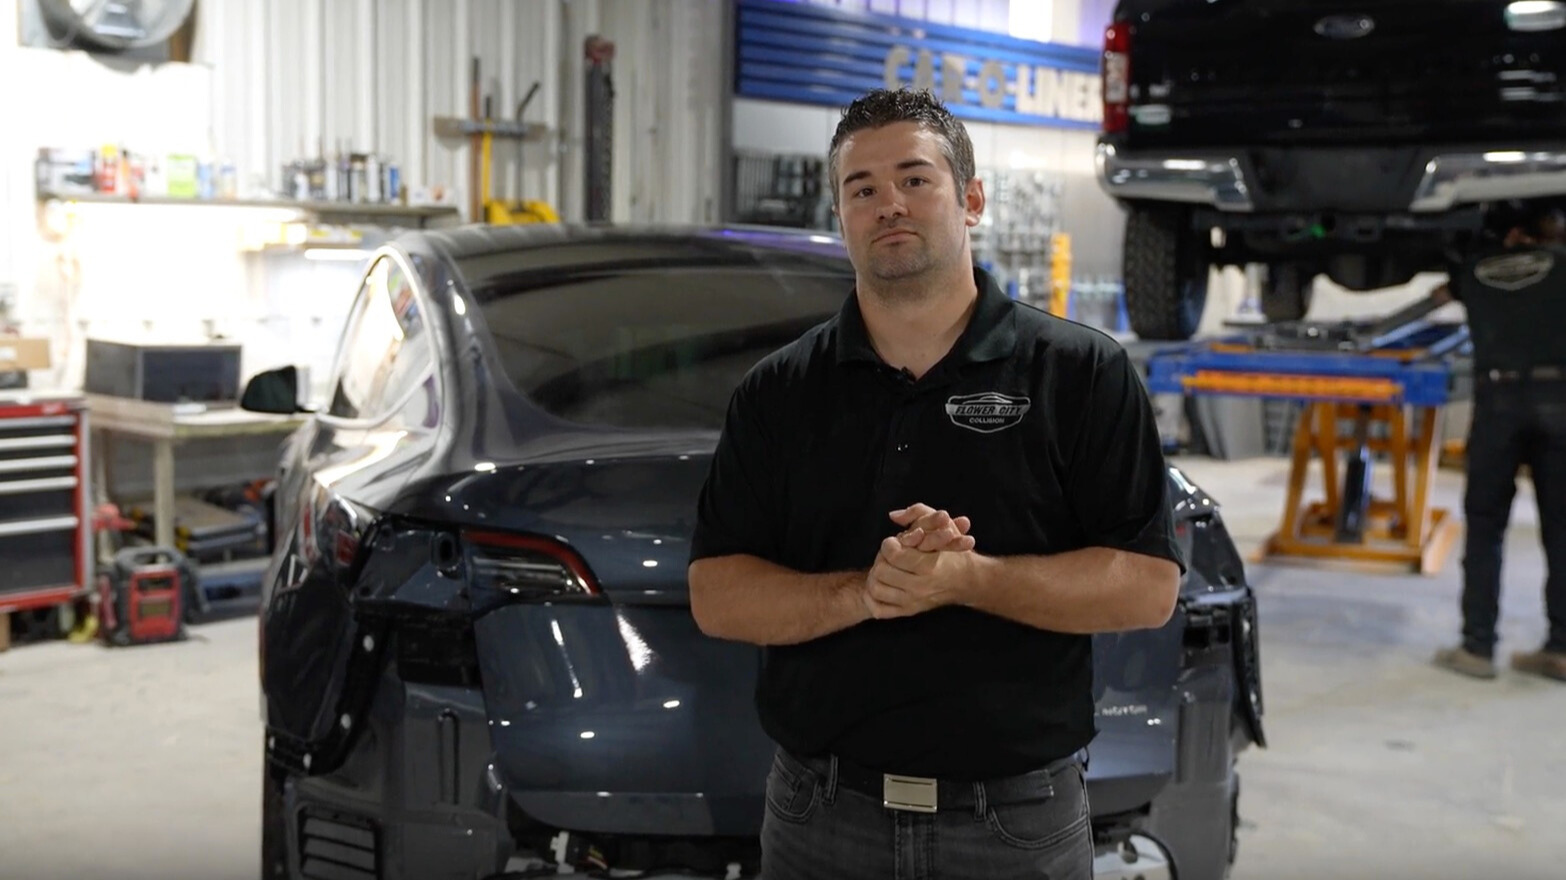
(599, 138)
(481, 128)
(519, 210)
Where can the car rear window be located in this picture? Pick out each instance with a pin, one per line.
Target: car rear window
(653, 347)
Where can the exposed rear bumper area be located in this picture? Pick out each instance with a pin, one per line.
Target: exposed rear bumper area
(1139, 858)
(1412, 180)
(1216, 179)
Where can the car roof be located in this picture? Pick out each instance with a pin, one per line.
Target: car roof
(488, 258)
(480, 240)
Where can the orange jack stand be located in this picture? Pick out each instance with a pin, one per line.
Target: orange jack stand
(1351, 524)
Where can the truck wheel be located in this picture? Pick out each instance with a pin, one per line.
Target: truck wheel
(1165, 272)
(1287, 297)
(274, 834)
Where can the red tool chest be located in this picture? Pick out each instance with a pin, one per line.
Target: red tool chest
(45, 527)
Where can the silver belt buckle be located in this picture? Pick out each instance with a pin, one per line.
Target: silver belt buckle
(913, 793)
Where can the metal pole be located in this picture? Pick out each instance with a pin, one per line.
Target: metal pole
(599, 140)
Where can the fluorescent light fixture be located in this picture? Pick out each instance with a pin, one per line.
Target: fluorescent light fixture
(336, 255)
(1031, 20)
(1506, 156)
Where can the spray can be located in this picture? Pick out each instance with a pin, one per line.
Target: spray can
(373, 182)
(205, 187)
(344, 175)
(228, 180)
(356, 182)
(393, 182)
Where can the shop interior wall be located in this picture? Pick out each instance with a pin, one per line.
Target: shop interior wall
(278, 79)
(272, 80)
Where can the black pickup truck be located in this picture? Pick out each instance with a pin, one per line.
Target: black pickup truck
(1361, 140)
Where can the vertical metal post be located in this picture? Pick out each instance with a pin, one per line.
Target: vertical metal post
(727, 162)
(599, 127)
(163, 492)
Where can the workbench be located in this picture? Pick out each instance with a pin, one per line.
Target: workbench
(164, 426)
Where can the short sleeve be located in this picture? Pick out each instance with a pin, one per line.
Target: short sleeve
(1118, 481)
(737, 511)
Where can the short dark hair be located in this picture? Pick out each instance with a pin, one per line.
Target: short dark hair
(883, 107)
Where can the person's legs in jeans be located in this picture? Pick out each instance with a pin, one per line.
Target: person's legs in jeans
(815, 830)
(1493, 455)
(1547, 462)
(1048, 839)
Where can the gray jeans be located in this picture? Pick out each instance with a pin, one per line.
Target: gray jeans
(816, 829)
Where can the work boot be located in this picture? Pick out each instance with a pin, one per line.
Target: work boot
(1458, 659)
(1550, 664)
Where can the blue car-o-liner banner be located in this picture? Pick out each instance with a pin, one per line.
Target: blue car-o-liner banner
(799, 52)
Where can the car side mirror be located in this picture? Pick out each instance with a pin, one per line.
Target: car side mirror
(274, 391)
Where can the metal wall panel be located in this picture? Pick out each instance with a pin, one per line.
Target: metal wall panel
(295, 77)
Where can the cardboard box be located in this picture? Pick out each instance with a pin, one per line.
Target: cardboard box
(23, 353)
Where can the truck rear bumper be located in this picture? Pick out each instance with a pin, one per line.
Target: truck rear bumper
(1215, 179)
(1427, 180)
(1463, 178)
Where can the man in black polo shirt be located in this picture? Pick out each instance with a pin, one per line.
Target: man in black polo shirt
(923, 508)
(1516, 300)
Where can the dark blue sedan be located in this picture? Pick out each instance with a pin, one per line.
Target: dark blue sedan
(478, 655)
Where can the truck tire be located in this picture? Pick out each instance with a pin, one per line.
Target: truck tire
(1165, 273)
(1287, 297)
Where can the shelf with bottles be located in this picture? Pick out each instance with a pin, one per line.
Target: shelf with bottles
(338, 212)
(114, 175)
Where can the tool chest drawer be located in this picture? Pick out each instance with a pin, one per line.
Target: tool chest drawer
(44, 521)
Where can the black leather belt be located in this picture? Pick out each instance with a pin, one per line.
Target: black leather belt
(1531, 374)
(926, 795)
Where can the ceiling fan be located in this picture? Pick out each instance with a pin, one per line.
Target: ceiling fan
(114, 25)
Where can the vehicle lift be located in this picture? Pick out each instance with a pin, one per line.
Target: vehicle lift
(1367, 389)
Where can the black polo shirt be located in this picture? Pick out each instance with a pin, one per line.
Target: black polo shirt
(1516, 302)
(1037, 428)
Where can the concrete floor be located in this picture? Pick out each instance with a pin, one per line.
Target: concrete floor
(1380, 767)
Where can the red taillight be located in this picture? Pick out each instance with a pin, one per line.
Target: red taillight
(527, 566)
(1117, 77)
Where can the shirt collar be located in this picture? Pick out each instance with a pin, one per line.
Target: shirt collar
(991, 333)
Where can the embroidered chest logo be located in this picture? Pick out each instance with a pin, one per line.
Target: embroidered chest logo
(1515, 271)
(986, 412)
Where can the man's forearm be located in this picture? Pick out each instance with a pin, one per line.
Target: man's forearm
(1092, 590)
(748, 599)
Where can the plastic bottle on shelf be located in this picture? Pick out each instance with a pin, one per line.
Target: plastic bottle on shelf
(393, 190)
(206, 183)
(372, 178)
(228, 180)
